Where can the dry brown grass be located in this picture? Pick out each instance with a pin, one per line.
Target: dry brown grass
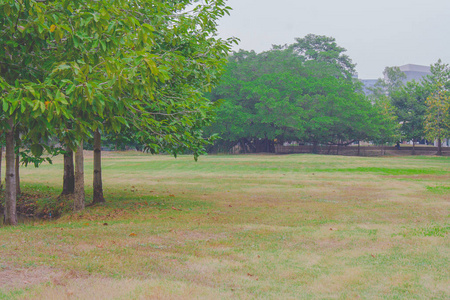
(275, 227)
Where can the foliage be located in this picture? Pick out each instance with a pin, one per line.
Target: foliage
(437, 120)
(94, 65)
(71, 67)
(437, 117)
(410, 104)
(286, 95)
(387, 125)
(326, 54)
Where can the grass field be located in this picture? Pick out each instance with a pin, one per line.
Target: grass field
(242, 227)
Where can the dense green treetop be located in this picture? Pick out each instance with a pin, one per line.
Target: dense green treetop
(114, 64)
(286, 95)
(326, 54)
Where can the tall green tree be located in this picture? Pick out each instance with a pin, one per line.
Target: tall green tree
(410, 106)
(437, 116)
(300, 92)
(328, 57)
(80, 67)
(437, 119)
(121, 68)
(24, 89)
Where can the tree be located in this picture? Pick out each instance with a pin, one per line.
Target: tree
(252, 87)
(437, 118)
(410, 106)
(285, 95)
(24, 90)
(76, 62)
(394, 79)
(386, 123)
(325, 51)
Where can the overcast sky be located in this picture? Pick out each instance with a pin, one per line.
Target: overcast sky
(376, 33)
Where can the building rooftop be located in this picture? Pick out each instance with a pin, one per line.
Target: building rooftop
(415, 68)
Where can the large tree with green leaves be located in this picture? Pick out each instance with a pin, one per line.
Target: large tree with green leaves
(301, 92)
(325, 55)
(25, 91)
(105, 65)
(410, 106)
(437, 116)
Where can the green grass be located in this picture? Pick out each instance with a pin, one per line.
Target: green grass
(440, 190)
(270, 227)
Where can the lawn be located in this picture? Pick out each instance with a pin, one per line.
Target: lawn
(244, 227)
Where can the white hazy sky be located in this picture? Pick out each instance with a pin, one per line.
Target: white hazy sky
(376, 33)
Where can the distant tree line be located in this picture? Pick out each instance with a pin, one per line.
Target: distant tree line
(422, 107)
(303, 92)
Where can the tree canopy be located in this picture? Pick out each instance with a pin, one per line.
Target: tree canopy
(72, 68)
(301, 92)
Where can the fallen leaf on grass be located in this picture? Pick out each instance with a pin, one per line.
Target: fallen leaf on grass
(374, 256)
(105, 224)
(171, 195)
(99, 246)
(133, 234)
(174, 208)
(86, 224)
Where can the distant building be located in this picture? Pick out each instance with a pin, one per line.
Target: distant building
(415, 72)
(412, 72)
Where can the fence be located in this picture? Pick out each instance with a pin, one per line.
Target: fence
(362, 150)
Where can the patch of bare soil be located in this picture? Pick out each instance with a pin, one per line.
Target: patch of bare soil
(19, 278)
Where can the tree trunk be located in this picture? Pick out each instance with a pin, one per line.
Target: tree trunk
(17, 169)
(359, 148)
(69, 176)
(98, 187)
(414, 147)
(10, 178)
(439, 147)
(79, 199)
(315, 149)
(1, 156)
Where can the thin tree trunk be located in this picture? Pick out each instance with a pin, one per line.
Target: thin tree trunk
(414, 147)
(17, 169)
(98, 187)
(315, 149)
(439, 147)
(69, 176)
(1, 156)
(10, 178)
(79, 199)
(359, 148)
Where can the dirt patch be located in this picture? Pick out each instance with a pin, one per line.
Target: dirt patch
(200, 236)
(19, 278)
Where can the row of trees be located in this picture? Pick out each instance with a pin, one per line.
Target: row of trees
(305, 92)
(73, 70)
(422, 108)
(299, 92)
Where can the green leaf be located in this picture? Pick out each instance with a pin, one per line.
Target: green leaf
(5, 105)
(102, 42)
(7, 9)
(37, 149)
